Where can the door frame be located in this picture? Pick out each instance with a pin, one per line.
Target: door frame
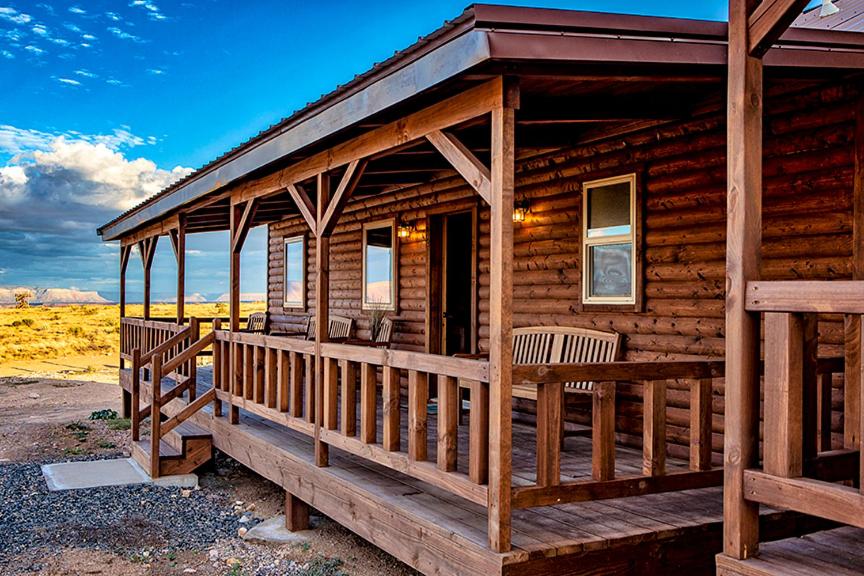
(435, 275)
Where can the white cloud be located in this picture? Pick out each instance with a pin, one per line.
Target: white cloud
(114, 82)
(72, 27)
(85, 73)
(40, 29)
(88, 37)
(69, 81)
(7, 54)
(113, 16)
(12, 15)
(123, 35)
(17, 141)
(34, 50)
(77, 10)
(155, 71)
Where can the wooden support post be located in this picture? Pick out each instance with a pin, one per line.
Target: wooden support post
(322, 313)
(700, 424)
(178, 243)
(784, 394)
(550, 400)
(296, 513)
(603, 432)
(654, 428)
(147, 248)
(503, 151)
(448, 430)
(852, 420)
(743, 255)
(125, 250)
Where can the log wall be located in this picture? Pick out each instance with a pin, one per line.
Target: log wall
(807, 235)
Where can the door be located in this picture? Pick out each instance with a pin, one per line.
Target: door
(452, 283)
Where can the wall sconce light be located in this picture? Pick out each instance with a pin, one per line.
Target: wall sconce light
(520, 210)
(404, 229)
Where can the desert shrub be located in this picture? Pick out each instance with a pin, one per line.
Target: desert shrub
(106, 414)
(119, 424)
(75, 331)
(28, 322)
(22, 298)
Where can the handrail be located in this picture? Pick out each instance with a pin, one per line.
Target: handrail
(188, 411)
(616, 371)
(166, 346)
(806, 296)
(189, 353)
(166, 324)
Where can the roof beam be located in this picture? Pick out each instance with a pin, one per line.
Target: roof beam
(244, 222)
(464, 161)
(768, 21)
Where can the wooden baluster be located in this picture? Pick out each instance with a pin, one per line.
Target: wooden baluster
(860, 321)
(258, 389)
(237, 378)
(218, 369)
(368, 403)
(309, 392)
(349, 398)
(700, 424)
(448, 422)
(550, 397)
(603, 434)
(195, 331)
(296, 381)
(784, 394)
(270, 377)
(824, 409)
(283, 377)
(418, 400)
(852, 387)
(654, 428)
(331, 392)
(810, 388)
(249, 372)
(391, 407)
(478, 433)
(136, 395)
(155, 413)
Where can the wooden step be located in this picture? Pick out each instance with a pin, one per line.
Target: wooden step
(178, 453)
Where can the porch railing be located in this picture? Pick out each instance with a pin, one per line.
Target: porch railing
(799, 470)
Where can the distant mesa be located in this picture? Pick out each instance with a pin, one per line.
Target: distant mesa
(244, 297)
(51, 296)
(196, 298)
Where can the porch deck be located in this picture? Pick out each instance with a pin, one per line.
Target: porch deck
(437, 532)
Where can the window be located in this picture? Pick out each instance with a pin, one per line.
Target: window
(295, 272)
(609, 241)
(379, 266)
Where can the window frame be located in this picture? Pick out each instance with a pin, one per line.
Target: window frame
(294, 305)
(633, 299)
(394, 279)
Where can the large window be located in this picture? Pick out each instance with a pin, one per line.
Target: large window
(379, 266)
(295, 273)
(609, 241)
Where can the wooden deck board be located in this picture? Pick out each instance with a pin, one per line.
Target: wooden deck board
(438, 532)
(837, 552)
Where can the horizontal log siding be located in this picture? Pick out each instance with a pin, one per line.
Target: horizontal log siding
(807, 235)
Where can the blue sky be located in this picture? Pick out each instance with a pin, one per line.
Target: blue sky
(102, 103)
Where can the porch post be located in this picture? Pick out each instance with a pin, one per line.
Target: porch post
(147, 248)
(125, 250)
(743, 255)
(501, 318)
(322, 312)
(178, 242)
(241, 216)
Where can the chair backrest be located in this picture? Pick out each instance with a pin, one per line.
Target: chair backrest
(256, 322)
(564, 345)
(385, 332)
(340, 327)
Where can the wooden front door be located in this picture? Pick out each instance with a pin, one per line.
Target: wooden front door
(452, 286)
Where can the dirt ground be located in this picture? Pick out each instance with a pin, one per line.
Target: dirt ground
(44, 417)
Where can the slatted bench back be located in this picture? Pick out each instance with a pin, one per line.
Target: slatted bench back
(340, 328)
(584, 346)
(385, 332)
(532, 345)
(256, 322)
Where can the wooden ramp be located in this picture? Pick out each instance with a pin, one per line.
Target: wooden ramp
(439, 533)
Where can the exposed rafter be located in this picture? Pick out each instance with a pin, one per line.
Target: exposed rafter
(304, 204)
(346, 187)
(768, 21)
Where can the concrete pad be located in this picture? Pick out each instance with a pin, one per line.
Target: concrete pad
(96, 473)
(273, 531)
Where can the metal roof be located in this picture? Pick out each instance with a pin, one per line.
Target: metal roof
(480, 35)
(849, 18)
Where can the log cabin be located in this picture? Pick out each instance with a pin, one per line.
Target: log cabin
(619, 262)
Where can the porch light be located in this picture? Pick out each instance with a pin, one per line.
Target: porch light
(520, 210)
(828, 8)
(404, 229)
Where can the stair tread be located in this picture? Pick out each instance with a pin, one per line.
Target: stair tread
(165, 449)
(189, 430)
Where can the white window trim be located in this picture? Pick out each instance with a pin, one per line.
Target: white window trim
(588, 242)
(387, 223)
(301, 305)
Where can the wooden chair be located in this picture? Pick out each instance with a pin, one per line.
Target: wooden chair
(382, 340)
(257, 323)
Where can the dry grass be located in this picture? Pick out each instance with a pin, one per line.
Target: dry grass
(42, 333)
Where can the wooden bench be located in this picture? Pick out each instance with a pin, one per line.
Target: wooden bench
(341, 329)
(381, 340)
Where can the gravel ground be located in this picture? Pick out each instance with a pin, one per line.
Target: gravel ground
(131, 520)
